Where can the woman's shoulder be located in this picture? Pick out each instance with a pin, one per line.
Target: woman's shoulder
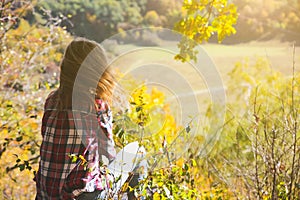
(52, 100)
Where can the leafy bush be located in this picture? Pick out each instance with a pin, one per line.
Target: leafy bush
(262, 149)
(173, 174)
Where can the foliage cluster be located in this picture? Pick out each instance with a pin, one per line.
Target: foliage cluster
(201, 20)
(100, 19)
(265, 20)
(29, 58)
(173, 174)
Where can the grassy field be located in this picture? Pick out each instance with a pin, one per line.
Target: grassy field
(186, 89)
(279, 55)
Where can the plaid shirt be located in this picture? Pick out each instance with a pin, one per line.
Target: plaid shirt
(69, 153)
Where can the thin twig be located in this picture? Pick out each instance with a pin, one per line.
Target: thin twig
(294, 132)
(258, 189)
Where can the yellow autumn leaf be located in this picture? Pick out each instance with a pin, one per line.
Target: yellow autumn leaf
(157, 97)
(156, 196)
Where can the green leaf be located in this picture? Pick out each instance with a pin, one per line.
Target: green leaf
(22, 167)
(20, 138)
(185, 166)
(139, 108)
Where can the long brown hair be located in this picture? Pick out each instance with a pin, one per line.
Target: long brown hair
(84, 71)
